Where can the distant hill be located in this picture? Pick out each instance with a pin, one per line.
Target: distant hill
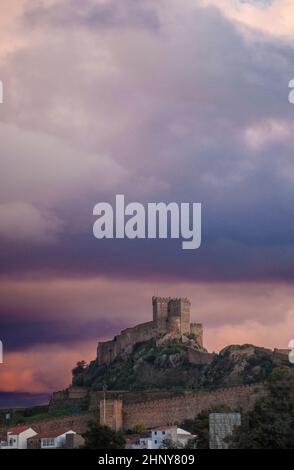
(9, 399)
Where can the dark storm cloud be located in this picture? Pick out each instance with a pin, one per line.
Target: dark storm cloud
(19, 331)
(196, 113)
(241, 240)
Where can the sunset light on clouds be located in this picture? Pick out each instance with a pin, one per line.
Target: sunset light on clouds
(160, 100)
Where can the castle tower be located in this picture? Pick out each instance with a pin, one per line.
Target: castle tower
(179, 314)
(111, 414)
(160, 308)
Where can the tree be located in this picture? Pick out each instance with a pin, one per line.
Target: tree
(171, 444)
(102, 437)
(79, 368)
(138, 429)
(270, 424)
(200, 427)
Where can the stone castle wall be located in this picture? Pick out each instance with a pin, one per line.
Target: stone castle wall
(125, 410)
(196, 329)
(174, 410)
(199, 358)
(72, 397)
(109, 350)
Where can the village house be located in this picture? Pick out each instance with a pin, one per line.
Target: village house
(49, 439)
(161, 437)
(17, 438)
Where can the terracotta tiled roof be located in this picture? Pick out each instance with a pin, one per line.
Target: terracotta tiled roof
(18, 429)
(164, 428)
(50, 434)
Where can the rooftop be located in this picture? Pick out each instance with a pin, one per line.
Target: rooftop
(167, 428)
(52, 434)
(164, 428)
(18, 429)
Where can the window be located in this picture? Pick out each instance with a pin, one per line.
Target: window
(163, 432)
(155, 433)
(48, 442)
(155, 442)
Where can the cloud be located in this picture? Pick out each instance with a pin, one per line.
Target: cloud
(47, 326)
(64, 311)
(43, 169)
(42, 369)
(274, 17)
(93, 14)
(252, 332)
(268, 132)
(24, 222)
(11, 37)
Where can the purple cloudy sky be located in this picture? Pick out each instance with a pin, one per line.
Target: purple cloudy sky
(160, 100)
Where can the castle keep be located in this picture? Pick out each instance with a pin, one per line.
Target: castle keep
(170, 316)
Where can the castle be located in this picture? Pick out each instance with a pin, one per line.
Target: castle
(127, 407)
(170, 316)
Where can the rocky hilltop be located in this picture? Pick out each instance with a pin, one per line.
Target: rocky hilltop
(166, 354)
(157, 364)
(179, 363)
(242, 365)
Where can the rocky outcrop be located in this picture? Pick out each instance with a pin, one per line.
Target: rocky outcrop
(238, 365)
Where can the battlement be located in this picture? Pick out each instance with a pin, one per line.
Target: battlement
(170, 315)
(168, 299)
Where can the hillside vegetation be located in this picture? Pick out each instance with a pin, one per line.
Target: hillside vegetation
(166, 366)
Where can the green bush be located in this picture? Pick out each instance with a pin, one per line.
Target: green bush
(102, 437)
